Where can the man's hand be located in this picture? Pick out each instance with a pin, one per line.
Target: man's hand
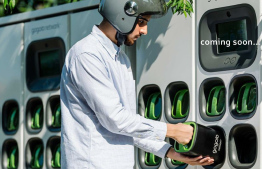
(189, 160)
(182, 133)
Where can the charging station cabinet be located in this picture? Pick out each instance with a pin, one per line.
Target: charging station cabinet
(227, 62)
(46, 44)
(11, 100)
(215, 56)
(165, 64)
(215, 85)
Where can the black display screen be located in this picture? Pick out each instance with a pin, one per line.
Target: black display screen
(49, 63)
(232, 36)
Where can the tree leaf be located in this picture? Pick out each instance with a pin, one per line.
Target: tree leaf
(185, 13)
(5, 3)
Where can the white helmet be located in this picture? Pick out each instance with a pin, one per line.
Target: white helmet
(123, 15)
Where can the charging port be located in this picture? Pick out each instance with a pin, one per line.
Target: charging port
(243, 146)
(177, 102)
(243, 97)
(212, 99)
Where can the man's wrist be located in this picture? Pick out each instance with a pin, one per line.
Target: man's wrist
(170, 130)
(168, 150)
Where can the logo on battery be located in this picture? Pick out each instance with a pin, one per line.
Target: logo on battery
(216, 144)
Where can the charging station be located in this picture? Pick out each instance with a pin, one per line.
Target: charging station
(215, 57)
(46, 44)
(205, 69)
(11, 100)
(231, 60)
(161, 66)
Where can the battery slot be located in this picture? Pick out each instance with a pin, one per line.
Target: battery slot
(243, 146)
(154, 106)
(10, 154)
(53, 153)
(243, 96)
(177, 102)
(246, 99)
(34, 115)
(212, 99)
(34, 153)
(53, 114)
(216, 101)
(151, 159)
(180, 106)
(150, 97)
(10, 114)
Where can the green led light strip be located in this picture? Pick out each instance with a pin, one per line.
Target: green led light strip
(37, 118)
(37, 157)
(56, 158)
(12, 159)
(216, 101)
(154, 106)
(12, 120)
(180, 106)
(247, 98)
(56, 117)
(175, 162)
(151, 159)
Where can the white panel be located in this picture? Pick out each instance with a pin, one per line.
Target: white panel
(227, 122)
(164, 56)
(38, 30)
(82, 24)
(11, 82)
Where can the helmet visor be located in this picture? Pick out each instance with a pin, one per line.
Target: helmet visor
(155, 8)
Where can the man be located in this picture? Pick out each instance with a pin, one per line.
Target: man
(99, 122)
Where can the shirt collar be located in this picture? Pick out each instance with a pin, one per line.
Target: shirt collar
(111, 48)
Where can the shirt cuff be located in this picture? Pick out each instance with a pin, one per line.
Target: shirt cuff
(158, 148)
(163, 151)
(159, 129)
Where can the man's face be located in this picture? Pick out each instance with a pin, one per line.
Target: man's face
(140, 29)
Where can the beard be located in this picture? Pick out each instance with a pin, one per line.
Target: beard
(129, 41)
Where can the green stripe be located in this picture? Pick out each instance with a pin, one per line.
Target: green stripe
(37, 157)
(247, 97)
(12, 120)
(56, 158)
(180, 106)
(37, 118)
(56, 117)
(216, 101)
(154, 106)
(151, 159)
(12, 159)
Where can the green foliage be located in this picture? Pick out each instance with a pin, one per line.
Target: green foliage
(9, 5)
(181, 7)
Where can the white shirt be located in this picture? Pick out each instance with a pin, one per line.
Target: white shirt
(99, 122)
